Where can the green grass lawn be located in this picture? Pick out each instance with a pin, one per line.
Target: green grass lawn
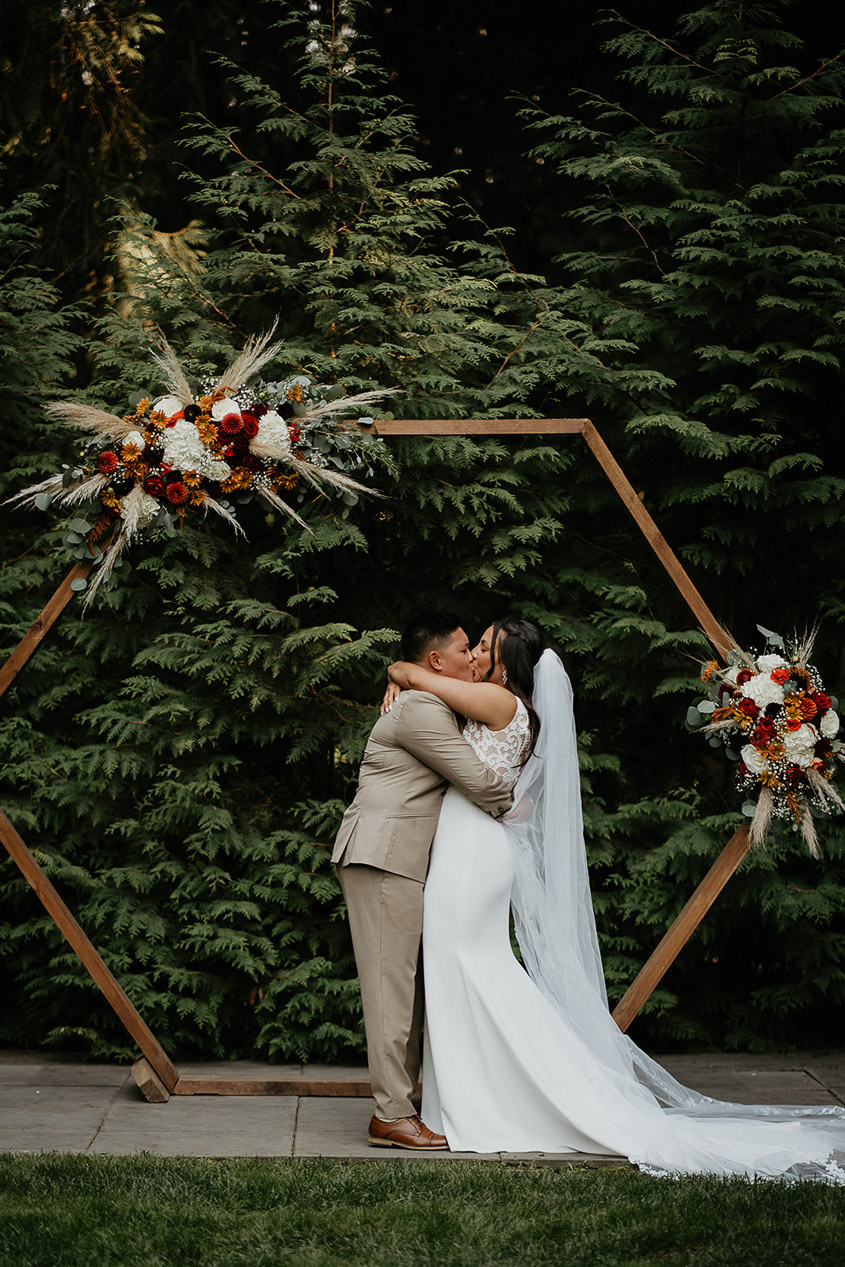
(58, 1210)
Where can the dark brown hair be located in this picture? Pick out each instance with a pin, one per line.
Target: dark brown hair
(518, 645)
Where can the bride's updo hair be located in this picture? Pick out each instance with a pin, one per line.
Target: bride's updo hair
(517, 645)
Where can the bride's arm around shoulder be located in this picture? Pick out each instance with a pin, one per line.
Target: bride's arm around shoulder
(484, 701)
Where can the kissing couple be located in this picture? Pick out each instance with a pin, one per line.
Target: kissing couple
(468, 810)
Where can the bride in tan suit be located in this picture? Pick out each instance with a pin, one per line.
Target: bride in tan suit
(382, 852)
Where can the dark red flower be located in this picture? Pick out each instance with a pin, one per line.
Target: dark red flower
(764, 732)
(258, 411)
(177, 493)
(155, 485)
(793, 774)
(744, 675)
(191, 412)
(152, 455)
(229, 451)
(250, 426)
(295, 434)
(748, 707)
(107, 462)
(743, 768)
(823, 702)
(231, 424)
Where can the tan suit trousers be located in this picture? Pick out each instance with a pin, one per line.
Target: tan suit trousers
(385, 918)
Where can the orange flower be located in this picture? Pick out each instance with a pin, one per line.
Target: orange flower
(240, 478)
(781, 676)
(709, 669)
(808, 709)
(207, 432)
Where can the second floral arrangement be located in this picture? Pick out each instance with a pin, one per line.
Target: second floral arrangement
(776, 721)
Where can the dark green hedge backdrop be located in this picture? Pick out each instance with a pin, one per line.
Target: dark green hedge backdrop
(180, 757)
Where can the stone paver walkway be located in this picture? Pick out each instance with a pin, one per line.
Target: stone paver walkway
(55, 1104)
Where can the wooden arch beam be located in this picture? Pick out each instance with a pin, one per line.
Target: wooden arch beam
(154, 1073)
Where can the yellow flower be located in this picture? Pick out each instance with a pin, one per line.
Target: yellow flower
(709, 669)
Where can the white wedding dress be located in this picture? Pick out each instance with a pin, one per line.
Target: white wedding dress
(514, 1066)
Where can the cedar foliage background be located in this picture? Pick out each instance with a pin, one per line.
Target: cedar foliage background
(181, 756)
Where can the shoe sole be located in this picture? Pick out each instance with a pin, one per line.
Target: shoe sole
(411, 1148)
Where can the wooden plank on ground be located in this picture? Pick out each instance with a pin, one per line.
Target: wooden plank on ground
(149, 1083)
(347, 1087)
(682, 929)
(91, 960)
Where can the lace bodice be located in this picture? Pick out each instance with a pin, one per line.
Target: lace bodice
(502, 750)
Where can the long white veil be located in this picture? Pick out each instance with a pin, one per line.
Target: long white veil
(556, 930)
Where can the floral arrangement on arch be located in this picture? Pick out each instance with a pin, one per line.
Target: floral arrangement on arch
(181, 455)
(774, 718)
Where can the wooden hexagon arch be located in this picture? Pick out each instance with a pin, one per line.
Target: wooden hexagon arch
(154, 1072)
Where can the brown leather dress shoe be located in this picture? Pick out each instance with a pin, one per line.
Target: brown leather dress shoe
(407, 1132)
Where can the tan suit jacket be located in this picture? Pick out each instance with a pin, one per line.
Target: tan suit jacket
(411, 755)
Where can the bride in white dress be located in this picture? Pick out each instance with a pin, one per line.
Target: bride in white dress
(529, 1059)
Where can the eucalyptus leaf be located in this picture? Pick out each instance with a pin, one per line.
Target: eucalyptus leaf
(693, 717)
(78, 584)
(706, 707)
(749, 808)
(43, 501)
(772, 637)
